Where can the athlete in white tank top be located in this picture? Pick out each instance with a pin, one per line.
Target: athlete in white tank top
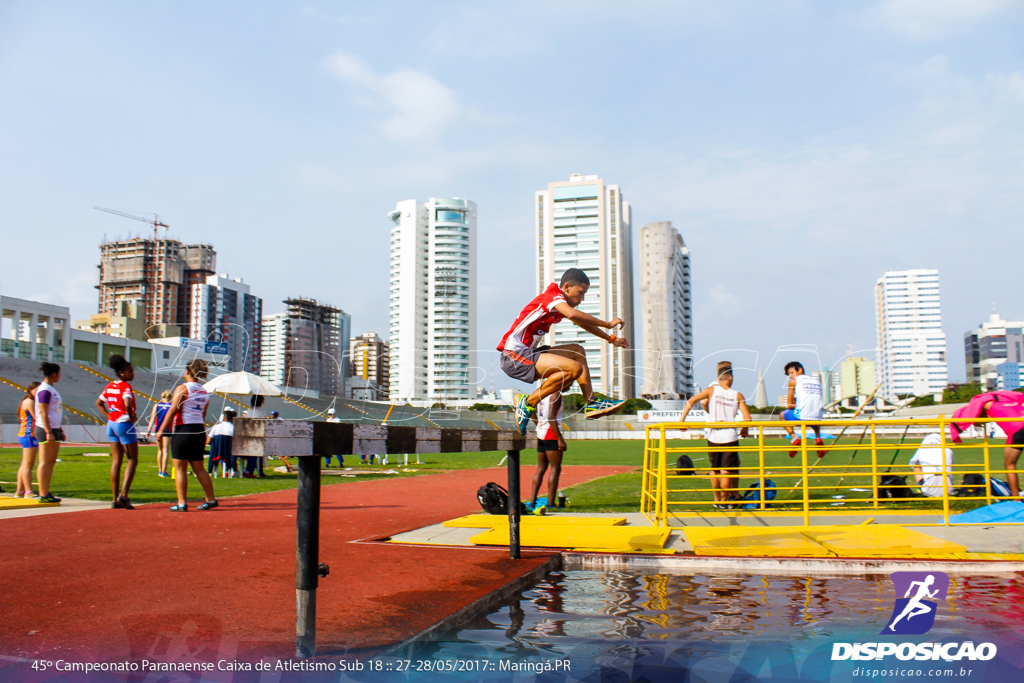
(722, 407)
(193, 408)
(723, 402)
(809, 398)
(805, 402)
(546, 415)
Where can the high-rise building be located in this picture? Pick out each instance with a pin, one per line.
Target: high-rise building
(584, 223)
(989, 345)
(433, 300)
(370, 366)
(665, 308)
(223, 310)
(911, 358)
(306, 348)
(857, 377)
(156, 274)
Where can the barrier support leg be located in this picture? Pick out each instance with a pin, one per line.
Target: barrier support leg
(307, 554)
(513, 504)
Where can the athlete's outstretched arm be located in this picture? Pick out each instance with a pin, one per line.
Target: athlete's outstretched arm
(583, 319)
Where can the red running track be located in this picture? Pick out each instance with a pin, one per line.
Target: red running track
(105, 585)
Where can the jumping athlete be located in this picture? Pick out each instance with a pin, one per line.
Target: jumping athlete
(117, 402)
(723, 402)
(805, 402)
(559, 366)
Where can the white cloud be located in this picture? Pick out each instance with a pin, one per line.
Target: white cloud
(415, 105)
(935, 19)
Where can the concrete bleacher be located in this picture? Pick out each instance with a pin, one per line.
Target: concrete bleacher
(81, 384)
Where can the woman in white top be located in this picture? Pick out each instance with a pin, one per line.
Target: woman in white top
(49, 413)
(188, 445)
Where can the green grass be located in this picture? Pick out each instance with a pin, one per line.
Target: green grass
(621, 493)
(80, 476)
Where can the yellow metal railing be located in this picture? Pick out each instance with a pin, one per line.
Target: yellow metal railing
(808, 486)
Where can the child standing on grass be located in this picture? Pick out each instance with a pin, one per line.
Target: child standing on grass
(523, 358)
(163, 445)
(29, 443)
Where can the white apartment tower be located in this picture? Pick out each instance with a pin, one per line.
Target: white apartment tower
(584, 223)
(665, 308)
(433, 300)
(911, 344)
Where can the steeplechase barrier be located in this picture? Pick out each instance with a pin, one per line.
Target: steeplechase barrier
(309, 442)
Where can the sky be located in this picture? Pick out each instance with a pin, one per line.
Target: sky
(802, 149)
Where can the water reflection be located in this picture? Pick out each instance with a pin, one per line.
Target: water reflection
(567, 611)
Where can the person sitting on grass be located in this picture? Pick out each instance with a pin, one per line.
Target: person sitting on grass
(804, 401)
(723, 404)
(928, 462)
(219, 440)
(524, 359)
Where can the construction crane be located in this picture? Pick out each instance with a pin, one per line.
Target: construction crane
(155, 222)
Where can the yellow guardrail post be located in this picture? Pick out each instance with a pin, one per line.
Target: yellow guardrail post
(760, 455)
(662, 479)
(804, 472)
(874, 466)
(988, 469)
(945, 481)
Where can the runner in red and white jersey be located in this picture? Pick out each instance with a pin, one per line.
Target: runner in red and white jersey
(535, 321)
(120, 401)
(117, 401)
(523, 359)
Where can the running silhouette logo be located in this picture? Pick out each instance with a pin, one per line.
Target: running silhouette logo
(914, 612)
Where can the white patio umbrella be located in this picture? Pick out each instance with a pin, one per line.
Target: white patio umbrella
(243, 383)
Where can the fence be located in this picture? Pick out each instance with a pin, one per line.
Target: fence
(806, 484)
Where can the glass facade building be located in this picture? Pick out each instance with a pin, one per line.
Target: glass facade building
(432, 325)
(911, 351)
(584, 223)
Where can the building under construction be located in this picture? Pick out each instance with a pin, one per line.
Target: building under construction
(307, 348)
(156, 274)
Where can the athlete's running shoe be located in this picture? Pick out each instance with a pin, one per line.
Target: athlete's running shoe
(796, 442)
(819, 442)
(49, 498)
(524, 413)
(599, 407)
(540, 510)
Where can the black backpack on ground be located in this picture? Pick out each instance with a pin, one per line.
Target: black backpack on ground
(494, 499)
(684, 465)
(890, 486)
(973, 486)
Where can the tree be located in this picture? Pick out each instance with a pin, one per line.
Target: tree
(485, 407)
(960, 393)
(634, 404)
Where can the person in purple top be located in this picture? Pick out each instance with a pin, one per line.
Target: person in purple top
(49, 412)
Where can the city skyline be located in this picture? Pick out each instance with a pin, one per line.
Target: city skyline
(819, 147)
